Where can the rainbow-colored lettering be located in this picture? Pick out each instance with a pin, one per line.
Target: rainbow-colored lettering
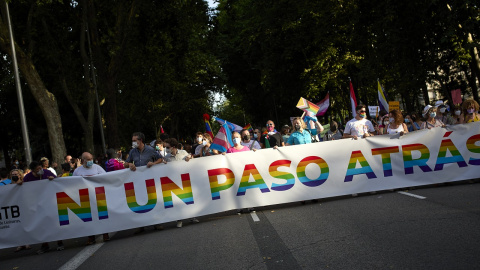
(442, 158)
(132, 200)
(250, 169)
(365, 167)
(474, 149)
(101, 203)
(409, 162)
(288, 177)
(169, 187)
(215, 186)
(324, 171)
(386, 160)
(82, 210)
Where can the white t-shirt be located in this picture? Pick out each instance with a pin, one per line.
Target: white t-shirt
(255, 146)
(94, 170)
(358, 128)
(181, 155)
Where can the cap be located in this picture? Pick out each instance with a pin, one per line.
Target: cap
(438, 103)
(425, 110)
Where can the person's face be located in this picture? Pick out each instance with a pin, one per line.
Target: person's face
(245, 133)
(362, 111)
(37, 169)
(87, 159)
(199, 138)
(68, 159)
(270, 125)
(45, 163)
(160, 146)
(236, 135)
(172, 149)
(135, 139)
(15, 173)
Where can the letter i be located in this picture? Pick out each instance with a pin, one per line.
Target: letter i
(101, 203)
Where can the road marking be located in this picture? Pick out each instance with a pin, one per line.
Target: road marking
(254, 216)
(412, 195)
(83, 255)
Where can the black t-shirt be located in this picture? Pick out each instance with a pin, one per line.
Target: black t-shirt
(275, 139)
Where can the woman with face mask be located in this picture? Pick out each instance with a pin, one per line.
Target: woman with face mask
(414, 120)
(237, 146)
(443, 115)
(203, 149)
(458, 115)
(300, 135)
(470, 110)
(396, 124)
(429, 113)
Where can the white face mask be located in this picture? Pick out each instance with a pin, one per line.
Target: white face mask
(134, 144)
(458, 112)
(204, 143)
(236, 140)
(199, 139)
(255, 135)
(442, 110)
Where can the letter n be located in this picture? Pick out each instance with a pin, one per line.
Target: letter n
(82, 210)
(169, 188)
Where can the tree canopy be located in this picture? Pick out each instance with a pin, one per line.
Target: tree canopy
(161, 63)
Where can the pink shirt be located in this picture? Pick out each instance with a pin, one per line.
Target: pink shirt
(233, 150)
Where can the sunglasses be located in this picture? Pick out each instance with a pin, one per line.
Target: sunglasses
(269, 125)
(363, 111)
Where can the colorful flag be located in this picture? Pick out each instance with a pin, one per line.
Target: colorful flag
(208, 129)
(231, 126)
(323, 105)
(353, 100)
(307, 106)
(382, 98)
(248, 127)
(223, 139)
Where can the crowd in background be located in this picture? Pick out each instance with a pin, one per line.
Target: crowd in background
(165, 149)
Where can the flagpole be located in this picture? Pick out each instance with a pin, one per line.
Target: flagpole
(21, 107)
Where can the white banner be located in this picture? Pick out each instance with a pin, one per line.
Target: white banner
(72, 207)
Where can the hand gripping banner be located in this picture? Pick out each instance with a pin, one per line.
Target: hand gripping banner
(71, 207)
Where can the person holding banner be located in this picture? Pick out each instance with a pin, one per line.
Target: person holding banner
(203, 149)
(246, 141)
(396, 124)
(458, 115)
(237, 144)
(470, 109)
(429, 113)
(142, 154)
(38, 173)
(359, 127)
(300, 135)
(443, 116)
(272, 139)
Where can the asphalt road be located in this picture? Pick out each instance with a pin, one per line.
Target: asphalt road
(386, 230)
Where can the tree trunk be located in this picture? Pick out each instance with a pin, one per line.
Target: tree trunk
(472, 80)
(45, 99)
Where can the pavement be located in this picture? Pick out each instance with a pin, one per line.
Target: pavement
(434, 227)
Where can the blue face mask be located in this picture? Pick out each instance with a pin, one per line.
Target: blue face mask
(90, 163)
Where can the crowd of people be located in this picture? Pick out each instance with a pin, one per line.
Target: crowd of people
(165, 149)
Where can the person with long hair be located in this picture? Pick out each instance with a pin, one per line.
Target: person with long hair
(470, 110)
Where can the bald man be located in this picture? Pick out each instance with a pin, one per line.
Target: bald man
(88, 168)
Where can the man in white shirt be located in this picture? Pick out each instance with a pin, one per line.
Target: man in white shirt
(89, 168)
(359, 127)
(246, 141)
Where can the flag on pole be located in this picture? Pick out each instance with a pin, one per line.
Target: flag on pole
(353, 100)
(208, 129)
(248, 127)
(323, 105)
(223, 139)
(232, 126)
(382, 98)
(307, 106)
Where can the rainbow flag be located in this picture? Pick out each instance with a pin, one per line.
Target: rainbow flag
(382, 98)
(248, 127)
(208, 129)
(353, 100)
(307, 106)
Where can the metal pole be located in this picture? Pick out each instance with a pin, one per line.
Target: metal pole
(94, 79)
(21, 108)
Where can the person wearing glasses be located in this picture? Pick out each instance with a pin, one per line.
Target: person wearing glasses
(271, 139)
(360, 126)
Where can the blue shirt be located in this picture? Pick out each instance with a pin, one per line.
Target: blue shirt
(142, 158)
(5, 182)
(300, 138)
